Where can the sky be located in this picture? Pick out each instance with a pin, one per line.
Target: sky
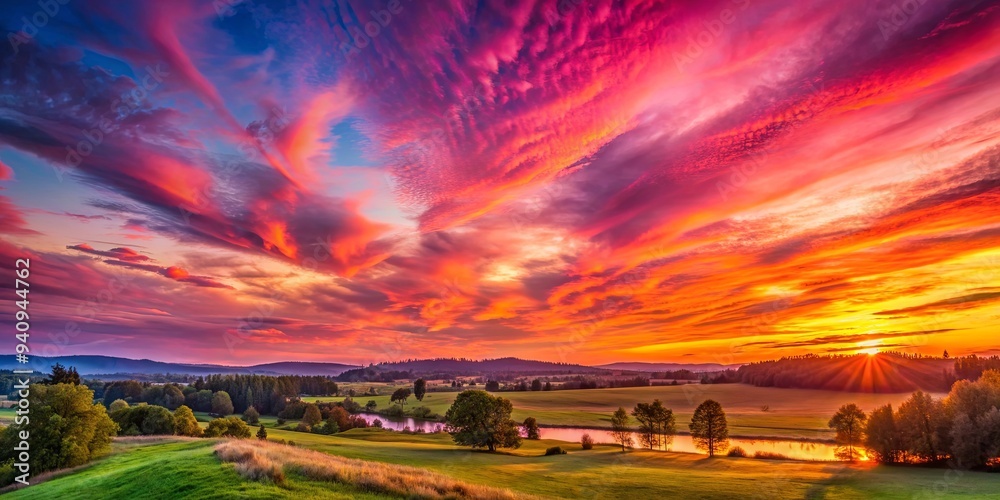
(581, 181)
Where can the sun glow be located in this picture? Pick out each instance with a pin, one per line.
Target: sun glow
(869, 347)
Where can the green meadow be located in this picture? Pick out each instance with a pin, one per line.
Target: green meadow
(173, 468)
(790, 413)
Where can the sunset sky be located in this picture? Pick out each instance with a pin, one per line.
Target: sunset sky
(581, 181)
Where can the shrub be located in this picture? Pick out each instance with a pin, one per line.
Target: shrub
(281, 421)
(377, 423)
(184, 422)
(555, 450)
(303, 427)
(736, 451)
(767, 455)
(228, 427)
(262, 433)
(587, 442)
(251, 416)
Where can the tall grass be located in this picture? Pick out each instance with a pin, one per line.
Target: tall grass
(264, 461)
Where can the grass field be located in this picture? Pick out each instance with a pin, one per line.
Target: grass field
(792, 413)
(175, 469)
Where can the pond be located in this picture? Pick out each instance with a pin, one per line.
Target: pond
(798, 450)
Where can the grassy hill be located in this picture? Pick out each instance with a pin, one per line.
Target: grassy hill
(189, 469)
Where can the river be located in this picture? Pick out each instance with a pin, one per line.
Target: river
(799, 450)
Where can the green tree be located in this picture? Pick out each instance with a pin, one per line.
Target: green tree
(620, 430)
(116, 405)
(184, 422)
(312, 415)
(222, 404)
(251, 416)
(975, 430)
(262, 433)
(919, 420)
(66, 428)
(531, 428)
(709, 429)
(62, 375)
(371, 406)
(882, 439)
(228, 427)
(419, 389)
(156, 421)
(849, 423)
(173, 398)
(481, 420)
(536, 385)
(399, 396)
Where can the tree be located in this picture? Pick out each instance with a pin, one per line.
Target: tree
(312, 415)
(419, 389)
(946, 356)
(849, 422)
(975, 428)
(370, 406)
(116, 405)
(228, 427)
(222, 404)
(536, 385)
(61, 375)
(620, 428)
(531, 428)
(882, 440)
(587, 442)
(648, 436)
(251, 416)
(481, 420)
(173, 398)
(548, 386)
(262, 433)
(709, 429)
(492, 385)
(331, 426)
(157, 420)
(66, 428)
(184, 422)
(400, 396)
(918, 420)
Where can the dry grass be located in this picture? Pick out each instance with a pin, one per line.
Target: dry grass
(259, 460)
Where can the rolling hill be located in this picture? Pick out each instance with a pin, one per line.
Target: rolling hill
(110, 365)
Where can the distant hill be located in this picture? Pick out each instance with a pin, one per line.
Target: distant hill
(667, 367)
(109, 365)
(486, 366)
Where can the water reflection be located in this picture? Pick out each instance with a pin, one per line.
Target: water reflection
(799, 450)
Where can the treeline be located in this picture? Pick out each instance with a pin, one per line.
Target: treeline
(962, 429)
(972, 367)
(267, 394)
(897, 373)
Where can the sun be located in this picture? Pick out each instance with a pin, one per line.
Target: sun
(870, 347)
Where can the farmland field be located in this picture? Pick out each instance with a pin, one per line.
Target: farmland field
(169, 468)
(791, 413)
